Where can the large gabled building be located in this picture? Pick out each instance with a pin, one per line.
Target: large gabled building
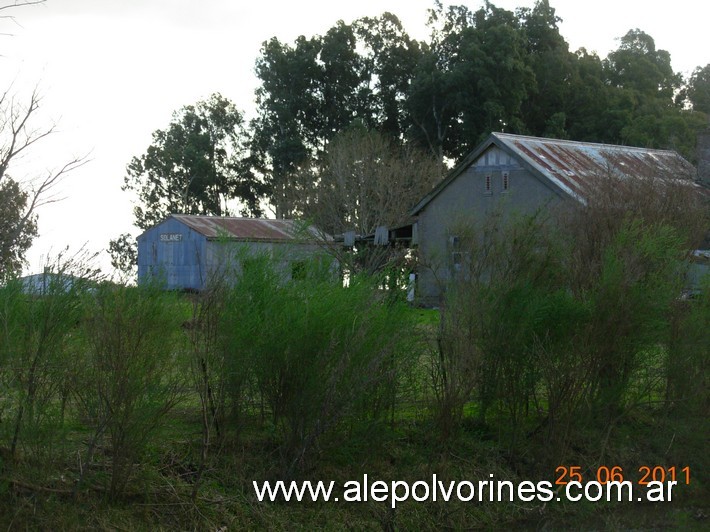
(521, 174)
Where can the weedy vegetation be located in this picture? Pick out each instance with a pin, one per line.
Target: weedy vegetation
(558, 344)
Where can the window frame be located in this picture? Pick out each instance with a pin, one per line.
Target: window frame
(488, 185)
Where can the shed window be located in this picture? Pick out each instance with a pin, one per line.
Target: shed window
(298, 270)
(506, 181)
(488, 184)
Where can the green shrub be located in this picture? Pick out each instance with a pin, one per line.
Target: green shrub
(131, 373)
(532, 343)
(318, 352)
(36, 328)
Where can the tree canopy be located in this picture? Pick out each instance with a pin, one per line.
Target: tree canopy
(319, 86)
(699, 89)
(17, 229)
(366, 180)
(197, 165)
(479, 71)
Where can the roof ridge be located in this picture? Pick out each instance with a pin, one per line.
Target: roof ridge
(502, 136)
(215, 216)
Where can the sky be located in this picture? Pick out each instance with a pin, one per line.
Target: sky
(113, 71)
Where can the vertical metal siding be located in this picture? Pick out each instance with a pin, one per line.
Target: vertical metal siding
(495, 157)
(178, 264)
(186, 258)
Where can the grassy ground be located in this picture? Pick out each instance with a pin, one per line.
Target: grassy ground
(34, 496)
(38, 489)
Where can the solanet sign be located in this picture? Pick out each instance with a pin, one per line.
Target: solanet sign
(171, 237)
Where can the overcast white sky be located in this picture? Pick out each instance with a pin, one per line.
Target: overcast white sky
(113, 71)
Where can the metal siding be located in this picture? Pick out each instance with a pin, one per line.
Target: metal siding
(494, 157)
(189, 263)
(178, 264)
(224, 258)
(569, 166)
(575, 166)
(541, 171)
(697, 273)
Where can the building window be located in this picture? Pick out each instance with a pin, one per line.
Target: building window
(456, 255)
(457, 260)
(488, 184)
(298, 270)
(506, 182)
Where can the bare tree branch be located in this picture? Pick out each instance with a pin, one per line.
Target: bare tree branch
(20, 4)
(14, 5)
(17, 136)
(14, 119)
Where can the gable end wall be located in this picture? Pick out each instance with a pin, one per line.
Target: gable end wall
(177, 264)
(464, 203)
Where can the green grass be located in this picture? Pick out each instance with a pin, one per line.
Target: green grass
(158, 497)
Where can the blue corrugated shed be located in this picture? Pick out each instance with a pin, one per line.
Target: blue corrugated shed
(183, 251)
(48, 282)
(174, 252)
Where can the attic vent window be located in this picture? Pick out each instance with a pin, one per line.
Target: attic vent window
(488, 184)
(506, 182)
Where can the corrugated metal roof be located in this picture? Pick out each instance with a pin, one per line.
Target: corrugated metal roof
(573, 166)
(248, 229)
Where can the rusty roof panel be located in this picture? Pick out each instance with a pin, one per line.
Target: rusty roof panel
(248, 229)
(574, 165)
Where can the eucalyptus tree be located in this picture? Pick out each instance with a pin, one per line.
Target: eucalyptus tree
(473, 78)
(199, 164)
(699, 89)
(546, 109)
(648, 97)
(319, 86)
(195, 166)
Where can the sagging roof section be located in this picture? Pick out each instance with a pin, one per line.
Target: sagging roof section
(248, 229)
(573, 166)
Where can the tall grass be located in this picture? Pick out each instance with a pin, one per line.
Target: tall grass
(318, 352)
(179, 401)
(36, 337)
